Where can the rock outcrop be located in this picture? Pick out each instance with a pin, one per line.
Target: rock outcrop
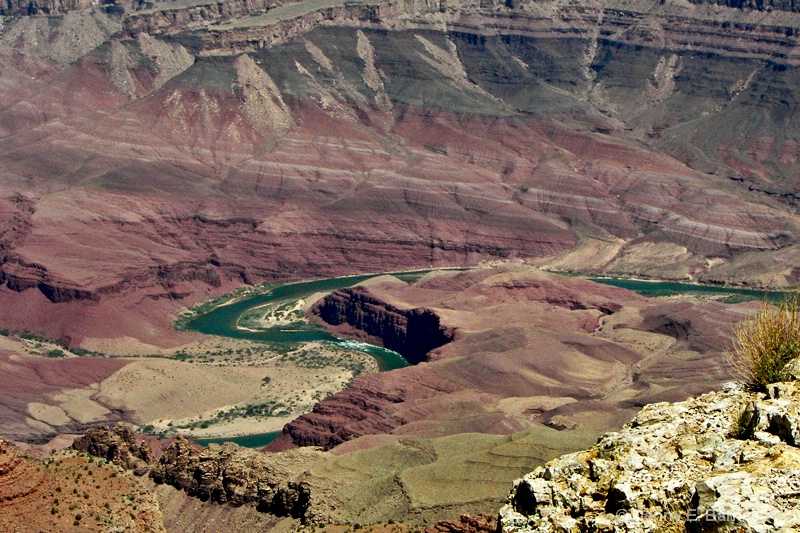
(230, 474)
(117, 446)
(220, 473)
(413, 333)
(724, 461)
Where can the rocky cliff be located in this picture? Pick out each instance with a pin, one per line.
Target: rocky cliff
(221, 143)
(413, 333)
(596, 353)
(164, 17)
(736, 32)
(222, 474)
(724, 461)
(43, 7)
(230, 474)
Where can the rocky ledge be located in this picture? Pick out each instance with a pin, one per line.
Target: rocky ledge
(226, 474)
(724, 461)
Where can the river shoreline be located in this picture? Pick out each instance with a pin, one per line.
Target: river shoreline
(223, 319)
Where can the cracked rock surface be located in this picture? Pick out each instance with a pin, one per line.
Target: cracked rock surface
(724, 461)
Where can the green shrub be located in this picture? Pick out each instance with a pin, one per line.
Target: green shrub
(764, 345)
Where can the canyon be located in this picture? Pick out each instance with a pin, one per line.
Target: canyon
(529, 349)
(534, 365)
(157, 154)
(153, 155)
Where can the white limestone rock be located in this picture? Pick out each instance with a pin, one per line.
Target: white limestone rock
(725, 461)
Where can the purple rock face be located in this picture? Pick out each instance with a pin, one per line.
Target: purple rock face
(410, 332)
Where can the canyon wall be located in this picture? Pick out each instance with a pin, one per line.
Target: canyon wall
(178, 150)
(597, 352)
(413, 333)
(163, 17)
(43, 7)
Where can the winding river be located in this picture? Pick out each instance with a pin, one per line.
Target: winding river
(672, 288)
(223, 320)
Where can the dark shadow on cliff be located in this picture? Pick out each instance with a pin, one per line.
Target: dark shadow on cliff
(413, 333)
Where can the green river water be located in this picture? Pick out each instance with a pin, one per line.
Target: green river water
(671, 288)
(222, 320)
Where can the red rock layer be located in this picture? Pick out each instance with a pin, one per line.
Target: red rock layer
(411, 332)
(140, 175)
(71, 494)
(32, 379)
(525, 334)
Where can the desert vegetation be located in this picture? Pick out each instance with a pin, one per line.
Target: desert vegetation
(69, 491)
(35, 344)
(186, 315)
(279, 314)
(765, 345)
(251, 386)
(254, 410)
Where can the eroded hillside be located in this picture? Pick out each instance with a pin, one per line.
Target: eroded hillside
(154, 153)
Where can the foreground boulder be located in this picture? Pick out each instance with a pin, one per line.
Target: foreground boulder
(724, 461)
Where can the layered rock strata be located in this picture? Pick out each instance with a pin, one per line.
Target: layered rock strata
(413, 333)
(71, 492)
(685, 28)
(180, 149)
(531, 349)
(724, 461)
